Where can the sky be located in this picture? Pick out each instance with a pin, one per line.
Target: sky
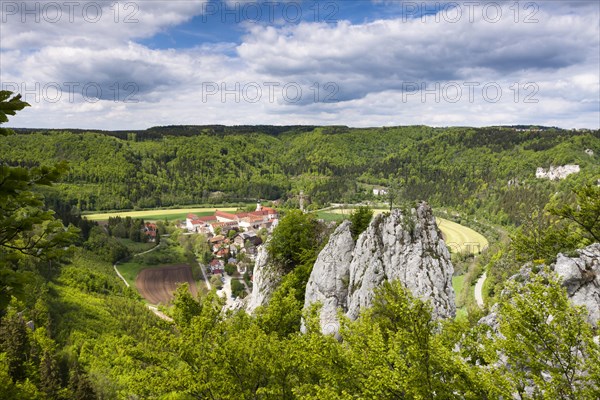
(137, 64)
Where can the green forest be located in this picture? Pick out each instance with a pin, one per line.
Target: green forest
(71, 329)
(467, 169)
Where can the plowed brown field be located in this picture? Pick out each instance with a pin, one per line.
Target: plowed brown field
(157, 285)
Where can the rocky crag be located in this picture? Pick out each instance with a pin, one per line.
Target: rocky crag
(580, 277)
(556, 173)
(406, 247)
(266, 279)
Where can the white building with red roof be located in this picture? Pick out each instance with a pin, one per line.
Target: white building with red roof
(262, 217)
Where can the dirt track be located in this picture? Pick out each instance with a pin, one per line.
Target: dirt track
(157, 285)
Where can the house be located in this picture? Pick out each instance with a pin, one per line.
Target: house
(216, 242)
(380, 191)
(222, 227)
(225, 216)
(222, 252)
(216, 239)
(193, 223)
(241, 238)
(216, 266)
(150, 230)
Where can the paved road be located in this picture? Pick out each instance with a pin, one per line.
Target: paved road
(478, 289)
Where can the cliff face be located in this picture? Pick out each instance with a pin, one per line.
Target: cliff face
(266, 279)
(581, 278)
(557, 173)
(328, 282)
(401, 247)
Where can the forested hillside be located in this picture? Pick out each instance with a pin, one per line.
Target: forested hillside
(465, 168)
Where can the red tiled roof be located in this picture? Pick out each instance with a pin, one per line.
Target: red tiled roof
(217, 238)
(192, 216)
(225, 215)
(203, 220)
(257, 213)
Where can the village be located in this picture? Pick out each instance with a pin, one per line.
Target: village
(233, 238)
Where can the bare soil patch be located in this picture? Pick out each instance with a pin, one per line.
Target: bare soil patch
(157, 285)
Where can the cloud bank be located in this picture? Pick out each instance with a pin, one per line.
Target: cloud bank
(490, 64)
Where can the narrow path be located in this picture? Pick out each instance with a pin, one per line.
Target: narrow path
(478, 289)
(119, 274)
(147, 251)
(226, 293)
(159, 313)
(208, 286)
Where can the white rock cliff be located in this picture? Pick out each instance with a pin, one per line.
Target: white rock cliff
(401, 247)
(581, 278)
(266, 279)
(557, 173)
(328, 282)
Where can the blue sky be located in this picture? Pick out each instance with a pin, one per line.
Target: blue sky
(132, 65)
(227, 20)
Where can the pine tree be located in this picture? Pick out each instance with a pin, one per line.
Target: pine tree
(49, 376)
(15, 343)
(80, 385)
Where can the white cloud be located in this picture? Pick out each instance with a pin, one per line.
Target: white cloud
(32, 24)
(370, 64)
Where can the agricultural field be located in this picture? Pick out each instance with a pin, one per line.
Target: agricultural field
(461, 238)
(458, 237)
(159, 215)
(130, 270)
(157, 285)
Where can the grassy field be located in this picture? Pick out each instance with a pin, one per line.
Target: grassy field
(457, 283)
(457, 237)
(159, 215)
(330, 216)
(135, 247)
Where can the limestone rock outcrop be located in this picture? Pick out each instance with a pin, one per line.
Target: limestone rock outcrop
(401, 247)
(329, 279)
(557, 173)
(581, 278)
(266, 279)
